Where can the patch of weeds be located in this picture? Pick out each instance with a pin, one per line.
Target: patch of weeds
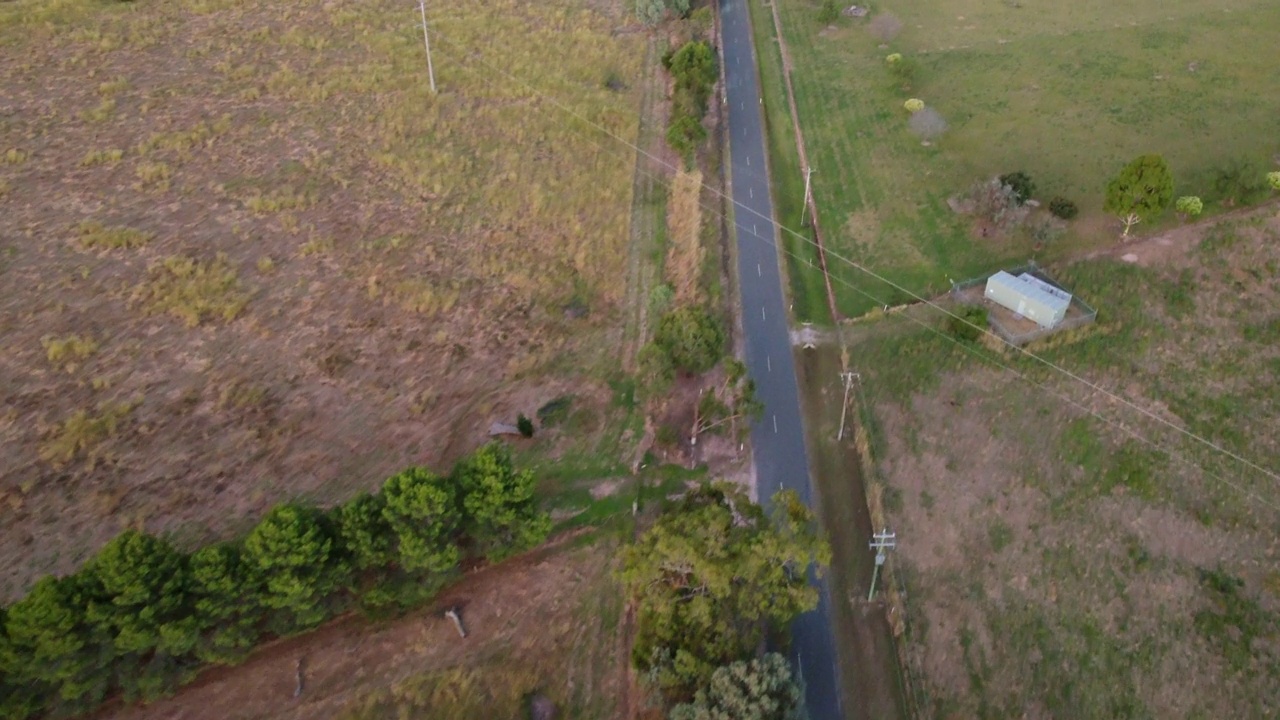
(967, 323)
(421, 296)
(68, 352)
(193, 291)
(13, 156)
(624, 392)
(93, 158)
(927, 500)
(5, 187)
(892, 499)
(1138, 554)
(316, 246)
(279, 202)
(1133, 468)
(82, 433)
(182, 141)
(1000, 535)
(111, 87)
(240, 395)
(1266, 332)
(1179, 297)
(153, 176)
(94, 234)
(555, 412)
(101, 113)
(1237, 626)
(265, 264)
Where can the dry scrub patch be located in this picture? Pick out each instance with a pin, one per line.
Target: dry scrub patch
(1055, 564)
(227, 195)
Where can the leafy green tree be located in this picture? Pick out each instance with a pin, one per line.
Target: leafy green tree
(141, 600)
(709, 578)
(502, 515)
(1142, 190)
(524, 425)
(292, 553)
(423, 511)
(227, 601)
(364, 532)
(728, 404)
(693, 338)
(54, 649)
(693, 66)
(761, 689)
(681, 7)
(19, 699)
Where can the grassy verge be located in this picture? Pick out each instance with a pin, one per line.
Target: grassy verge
(800, 256)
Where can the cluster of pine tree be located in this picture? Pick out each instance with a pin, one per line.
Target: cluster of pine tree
(142, 617)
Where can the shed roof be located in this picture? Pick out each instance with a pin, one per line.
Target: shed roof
(1032, 289)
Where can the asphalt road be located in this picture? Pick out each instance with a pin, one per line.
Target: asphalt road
(778, 439)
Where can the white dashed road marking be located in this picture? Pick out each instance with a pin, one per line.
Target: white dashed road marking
(775, 423)
(768, 361)
(759, 272)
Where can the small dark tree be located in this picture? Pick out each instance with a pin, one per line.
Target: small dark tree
(1142, 190)
(997, 205)
(1063, 208)
(524, 425)
(692, 337)
(1020, 182)
(684, 135)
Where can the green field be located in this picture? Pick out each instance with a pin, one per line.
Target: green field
(1067, 92)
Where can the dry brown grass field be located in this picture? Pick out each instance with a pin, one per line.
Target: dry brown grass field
(247, 256)
(1065, 555)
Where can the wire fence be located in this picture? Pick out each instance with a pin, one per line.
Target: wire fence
(1013, 327)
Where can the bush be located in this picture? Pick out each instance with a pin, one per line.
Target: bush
(1063, 208)
(1044, 230)
(684, 136)
(914, 105)
(692, 338)
(997, 204)
(1239, 181)
(1023, 187)
(1189, 205)
(829, 12)
(524, 425)
(893, 58)
(1273, 179)
(967, 323)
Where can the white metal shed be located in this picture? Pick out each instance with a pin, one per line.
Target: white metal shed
(1029, 297)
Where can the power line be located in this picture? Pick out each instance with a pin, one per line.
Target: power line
(925, 301)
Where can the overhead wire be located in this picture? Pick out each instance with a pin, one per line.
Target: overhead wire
(641, 152)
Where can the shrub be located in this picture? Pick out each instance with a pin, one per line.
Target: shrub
(684, 136)
(1063, 208)
(650, 12)
(893, 58)
(1189, 205)
(968, 323)
(1273, 179)
(692, 338)
(1044, 229)
(829, 12)
(997, 203)
(524, 425)
(914, 105)
(1020, 182)
(1239, 181)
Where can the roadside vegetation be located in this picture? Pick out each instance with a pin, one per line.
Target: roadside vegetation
(713, 581)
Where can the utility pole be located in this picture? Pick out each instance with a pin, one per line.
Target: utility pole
(431, 73)
(808, 171)
(880, 542)
(848, 378)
